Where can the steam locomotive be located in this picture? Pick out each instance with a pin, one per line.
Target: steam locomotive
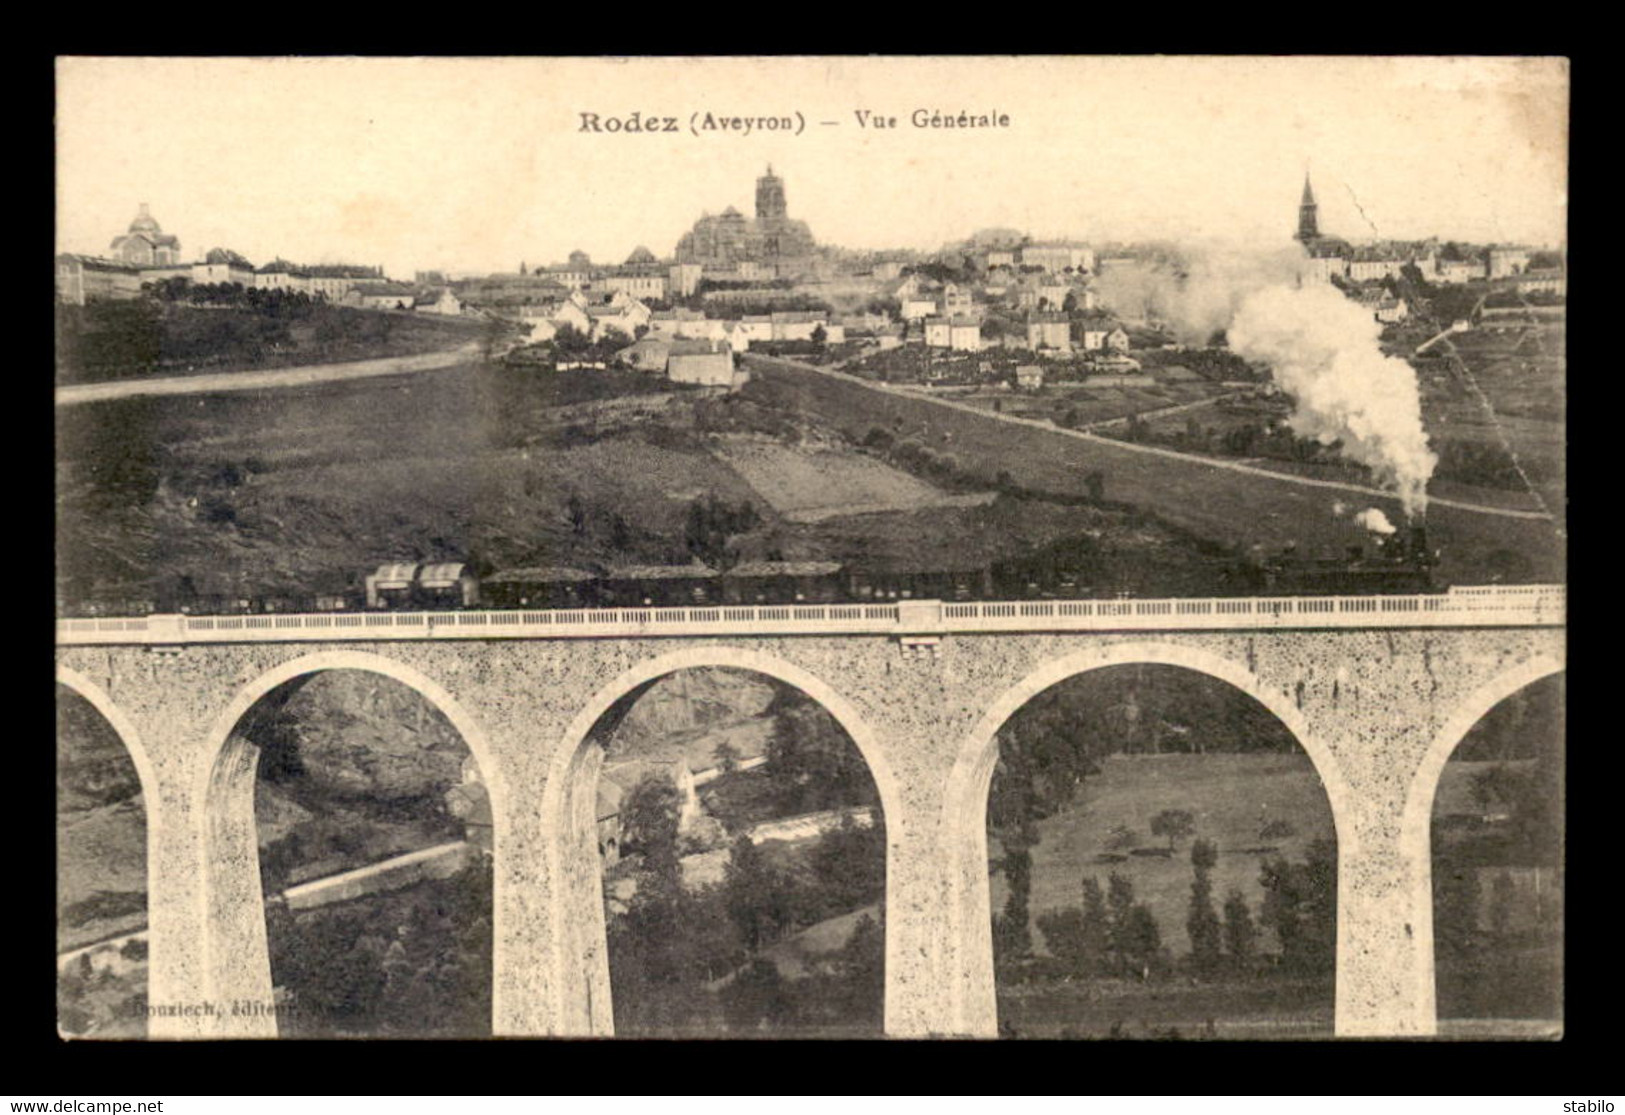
(1070, 568)
(1401, 563)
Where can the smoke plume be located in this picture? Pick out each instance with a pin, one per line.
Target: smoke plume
(1199, 295)
(1375, 521)
(1321, 348)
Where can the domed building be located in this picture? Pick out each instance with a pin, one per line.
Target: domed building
(772, 239)
(145, 244)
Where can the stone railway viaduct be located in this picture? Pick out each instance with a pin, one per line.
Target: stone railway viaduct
(1377, 690)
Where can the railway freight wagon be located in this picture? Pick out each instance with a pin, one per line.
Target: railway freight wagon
(1068, 567)
(431, 586)
(891, 580)
(672, 586)
(784, 582)
(552, 586)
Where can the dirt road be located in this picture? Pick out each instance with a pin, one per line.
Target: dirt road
(259, 381)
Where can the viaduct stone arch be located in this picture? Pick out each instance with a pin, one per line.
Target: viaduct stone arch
(235, 952)
(121, 724)
(572, 792)
(964, 819)
(146, 775)
(1417, 824)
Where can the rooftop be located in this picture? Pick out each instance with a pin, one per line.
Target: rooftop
(99, 263)
(698, 348)
(659, 572)
(385, 290)
(784, 569)
(540, 574)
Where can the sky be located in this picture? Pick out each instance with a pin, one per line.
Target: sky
(480, 164)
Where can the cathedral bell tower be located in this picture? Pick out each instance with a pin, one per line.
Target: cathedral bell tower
(1308, 223)
(770, 197)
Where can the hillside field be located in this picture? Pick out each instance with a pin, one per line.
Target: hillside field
(1214, 503)
(807, 485)
(124, 340)
(1232, 796)
(284, 488)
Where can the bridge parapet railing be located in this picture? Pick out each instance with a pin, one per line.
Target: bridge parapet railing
(1494, 606)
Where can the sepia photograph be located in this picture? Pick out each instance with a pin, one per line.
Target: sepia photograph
(811, 547)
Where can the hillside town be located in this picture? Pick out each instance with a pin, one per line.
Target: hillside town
(733, 285)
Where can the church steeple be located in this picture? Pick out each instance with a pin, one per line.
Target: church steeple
(1308, 222)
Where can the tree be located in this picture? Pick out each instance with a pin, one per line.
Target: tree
(578, 514)
(649, 822)
(878, 438)
(1012, 936)
(1142, 942)
(1175, 824)
(662, 949)
(1063, 932)
(1240, 934)
(1096, 928)
(570, 341)
(726, 756)
(1202, 923)
(758, 998)
(1096, 483)
(1300, 904)
(849, 864)
(811, 763)
(336, 981)
(756, 895)
(1119, 909)
(859, 974)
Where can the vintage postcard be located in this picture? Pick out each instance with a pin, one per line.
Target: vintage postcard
(811, 547)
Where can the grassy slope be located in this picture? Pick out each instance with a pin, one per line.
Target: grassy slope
(446, 465)
(1228, 794)
(1225, 792)
(193, 340)
(1218, 504)
(347, 475)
